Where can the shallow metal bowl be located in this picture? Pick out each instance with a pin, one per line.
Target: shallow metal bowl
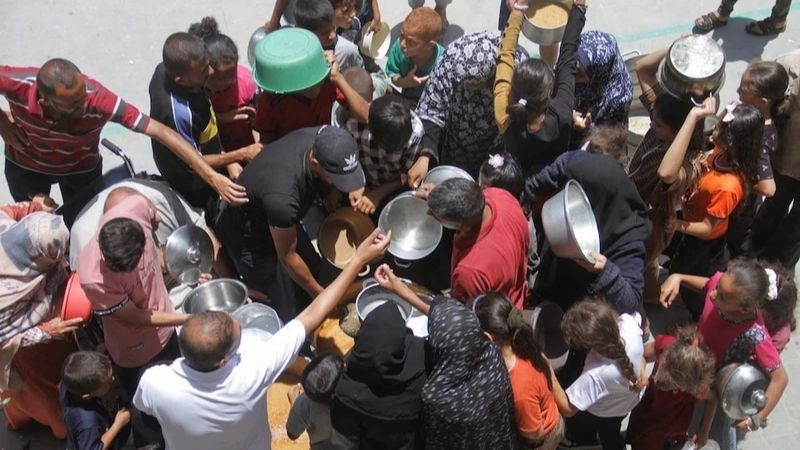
(415, 234)
(373, 296)
(222, 294)
(439, 174)
(258, 315)
(569, 223)
(257, 37)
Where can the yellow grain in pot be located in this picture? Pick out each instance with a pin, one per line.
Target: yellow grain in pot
(548, 15)
(338, 242)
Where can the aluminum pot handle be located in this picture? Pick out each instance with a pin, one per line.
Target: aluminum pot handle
(366, 272)
(369, 282)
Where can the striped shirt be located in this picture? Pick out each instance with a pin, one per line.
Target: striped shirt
(58, 148)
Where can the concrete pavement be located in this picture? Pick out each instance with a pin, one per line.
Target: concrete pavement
(119, 44)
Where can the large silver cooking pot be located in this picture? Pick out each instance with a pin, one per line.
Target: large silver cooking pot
(415, 234)
(222, 294)
(694, 68)
(741, 388)
(569, 223)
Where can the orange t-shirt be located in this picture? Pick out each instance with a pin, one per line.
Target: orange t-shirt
(533, 401)
(716, 194)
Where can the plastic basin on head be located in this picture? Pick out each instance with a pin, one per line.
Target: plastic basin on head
(76, 303)
(289, 60)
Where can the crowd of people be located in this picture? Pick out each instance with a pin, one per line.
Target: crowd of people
(701, 217)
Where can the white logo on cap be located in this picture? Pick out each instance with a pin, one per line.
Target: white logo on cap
(350, 162)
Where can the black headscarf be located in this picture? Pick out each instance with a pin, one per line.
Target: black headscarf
(467, 399)
(385, 370)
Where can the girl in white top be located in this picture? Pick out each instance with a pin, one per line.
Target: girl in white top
(613, 377)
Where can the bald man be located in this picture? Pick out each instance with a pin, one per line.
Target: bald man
(214, 396)
(52, 132)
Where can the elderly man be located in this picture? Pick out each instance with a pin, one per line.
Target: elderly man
(490, 247)
(121, 275)
(173, 212)
(214, 397)
(265, 238)
(53, 131)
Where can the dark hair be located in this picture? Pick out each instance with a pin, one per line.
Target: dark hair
(769, 79)
(206, 338)
(741, 138)
(457, 199)
(361, 82)
(337, 3)
(673, 112)
(780, 311)
(508, 176)
(84, 372)
(54, 73)
(592, 325)
(121, 243)
(390, 123)
(313, 14)
(531, 87)
(221, 48)
(181, 49)
(750, 280)
(321, 376)
(608, 140)
(506, 324)
(688, 364)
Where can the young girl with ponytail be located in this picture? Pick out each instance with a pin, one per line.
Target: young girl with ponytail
(533, 383)
(733, 328)
(613, 375)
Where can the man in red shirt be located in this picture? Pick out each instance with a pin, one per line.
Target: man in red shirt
(490, 247)
(53, 130)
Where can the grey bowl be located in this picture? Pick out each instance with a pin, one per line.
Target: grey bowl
(222, 294)
(258, 315)
(415, 234)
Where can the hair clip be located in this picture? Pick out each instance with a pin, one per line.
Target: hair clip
(772, 292)
(523, 102)
(496, 161)
(729, 111)
(475, 302)
(585, 146)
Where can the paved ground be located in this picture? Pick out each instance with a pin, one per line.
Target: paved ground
(119, 43)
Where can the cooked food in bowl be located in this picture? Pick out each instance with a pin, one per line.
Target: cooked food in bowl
(548, 15)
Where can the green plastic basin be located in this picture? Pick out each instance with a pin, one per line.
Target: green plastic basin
(289, 60)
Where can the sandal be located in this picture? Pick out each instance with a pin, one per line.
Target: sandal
(764, 27)
(710, 21)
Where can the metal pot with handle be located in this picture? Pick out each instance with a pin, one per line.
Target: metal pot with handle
(693, 69)
(741, 388)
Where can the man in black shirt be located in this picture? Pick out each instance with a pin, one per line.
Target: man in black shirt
(282, 183)
(178, 100)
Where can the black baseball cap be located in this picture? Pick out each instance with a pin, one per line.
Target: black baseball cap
(337, 154)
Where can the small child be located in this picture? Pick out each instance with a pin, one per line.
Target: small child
(279, 114)
(734, 331)
(311, 403)
(85, 378)
(414, 55)
(778, 310)
(390, 144)
(323, 18)
(612, 379)
(608, 140)
(231, 90)
(682, 376)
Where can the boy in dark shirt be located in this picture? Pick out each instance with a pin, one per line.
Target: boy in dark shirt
(86, 377)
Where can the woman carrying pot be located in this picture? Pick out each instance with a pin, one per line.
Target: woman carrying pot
(456, 106)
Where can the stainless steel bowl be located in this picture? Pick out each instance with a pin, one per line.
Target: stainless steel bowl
(257, 37)
(542, 35)
(222, 294)
(439, 174)
(693, 68)
(373, 296)
(569, 223)
(258, 315)
(741, 389)
(415, 234)
(188, 253)
(545, 322)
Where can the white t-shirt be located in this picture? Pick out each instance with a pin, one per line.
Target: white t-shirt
(601, 389)
(225, 409)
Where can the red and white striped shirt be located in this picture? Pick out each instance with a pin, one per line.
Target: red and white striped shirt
(59, 149)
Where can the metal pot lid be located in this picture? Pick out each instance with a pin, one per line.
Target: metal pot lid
(188, 253)
(697, 56)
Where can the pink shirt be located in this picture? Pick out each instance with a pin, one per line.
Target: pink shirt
(238, 134)
(497, 260)
(720, 333)
(129, 345)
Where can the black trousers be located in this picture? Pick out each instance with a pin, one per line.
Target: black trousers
(776, 229)
(146, 429)
(698, 257)
(583, 427)
(23, 184)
